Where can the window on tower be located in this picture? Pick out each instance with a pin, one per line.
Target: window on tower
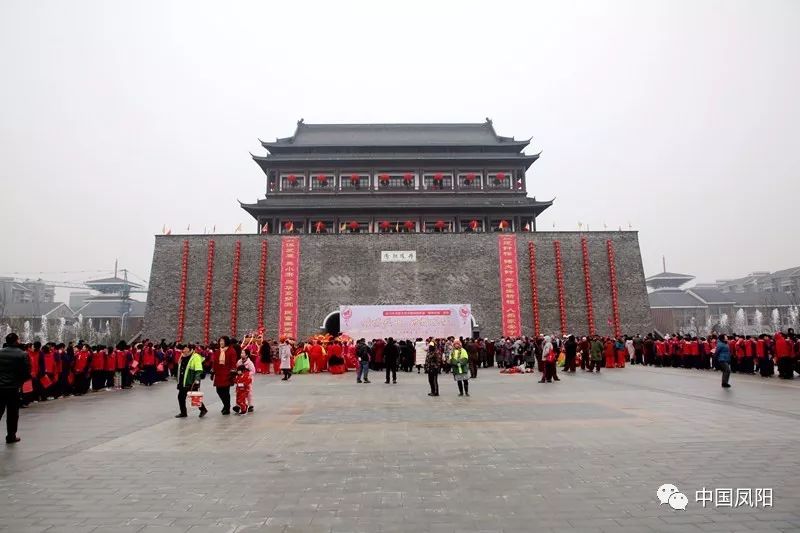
(354, 181)
(292, 226)
(437, 181)
(292, 181)
(396, 181)
(322, 181)
(471, 180)
(499, 180)
(439, 225)
(472, 225)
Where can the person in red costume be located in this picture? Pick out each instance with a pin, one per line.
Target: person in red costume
(47, 372)
(223, 364)
(784, 357)
(111, 367)
(335, 352)
(80, 369)
(609, 352)
(148, 365)
(377, 354)
(315, 357)
(97, 363)
(244, 383)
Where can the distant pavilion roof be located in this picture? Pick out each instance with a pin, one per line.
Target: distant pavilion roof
(112, 284)
(673, 298)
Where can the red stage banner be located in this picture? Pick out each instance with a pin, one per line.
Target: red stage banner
(290, 287)
(509, 285)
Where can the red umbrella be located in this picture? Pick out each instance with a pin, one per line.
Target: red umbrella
(409, 225)
(288, 226)
(384, 178)
(354, 179)
(292, 179)
(473, 225)
(408, 178)
(469, 178)
(319, 226)
(440, 225)
(353, 225)
(385, 225)
(323, 181)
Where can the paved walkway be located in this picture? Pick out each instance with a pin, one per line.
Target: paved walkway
(323, 454)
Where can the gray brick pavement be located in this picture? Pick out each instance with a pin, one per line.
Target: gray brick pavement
(325, 454)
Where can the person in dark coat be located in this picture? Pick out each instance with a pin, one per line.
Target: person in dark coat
(391, 354)
(571, 350)
(433, 362)
(15, 369)
(472, 354)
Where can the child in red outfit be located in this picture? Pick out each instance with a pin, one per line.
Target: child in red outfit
(243, 383)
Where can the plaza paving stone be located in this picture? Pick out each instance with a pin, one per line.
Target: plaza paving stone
(324, 454)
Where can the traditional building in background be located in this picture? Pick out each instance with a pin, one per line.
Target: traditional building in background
(761, 302)
(395, 178)
(395, 214)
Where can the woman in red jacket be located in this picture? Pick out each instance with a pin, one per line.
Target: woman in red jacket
(223, 365)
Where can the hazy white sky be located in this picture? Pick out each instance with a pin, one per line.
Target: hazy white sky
(678, 117)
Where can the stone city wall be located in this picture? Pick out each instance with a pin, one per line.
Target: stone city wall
(341, 269)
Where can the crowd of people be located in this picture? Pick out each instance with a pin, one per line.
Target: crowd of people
(56, 370)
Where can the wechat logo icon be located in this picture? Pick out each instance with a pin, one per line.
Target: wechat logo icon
(673, 497)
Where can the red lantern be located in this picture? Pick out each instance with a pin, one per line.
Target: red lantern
(440, 225)
(353, 226)
(292, 179)
(409, 225)
(384, 179)
(501, 176)
(385, 225)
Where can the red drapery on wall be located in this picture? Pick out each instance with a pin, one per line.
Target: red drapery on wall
(509, 285)
(182, 292)
(534, 289)
(562, 305)
(289, 290)
(207, 301)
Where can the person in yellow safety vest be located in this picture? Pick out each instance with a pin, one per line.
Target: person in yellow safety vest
(190, 372)
(459, 364)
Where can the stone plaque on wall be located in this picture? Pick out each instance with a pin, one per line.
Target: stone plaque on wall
(399, 256)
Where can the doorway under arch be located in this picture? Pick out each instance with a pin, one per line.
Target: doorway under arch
(331, 324)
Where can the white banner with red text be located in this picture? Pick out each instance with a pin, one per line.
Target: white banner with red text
(406, 321)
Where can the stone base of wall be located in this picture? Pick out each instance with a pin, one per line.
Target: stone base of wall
(342, 269)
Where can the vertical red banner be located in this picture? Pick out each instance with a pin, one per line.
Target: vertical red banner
(587, 284)
(562, 304)
(182, 293)
(509, 285)
(237, 257)
(290, 287)
(207, 302)
(612, 271)
(534, 289)
(262, 285)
